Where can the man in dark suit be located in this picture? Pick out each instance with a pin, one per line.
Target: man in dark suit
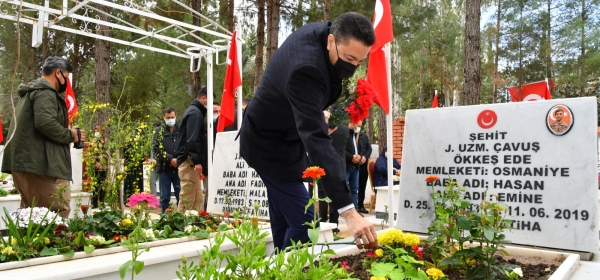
(365, 151)
(285, 121)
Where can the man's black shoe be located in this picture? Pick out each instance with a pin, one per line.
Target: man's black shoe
(363, 210)
(336, 230)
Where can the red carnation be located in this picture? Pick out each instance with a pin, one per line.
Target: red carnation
(418, 251)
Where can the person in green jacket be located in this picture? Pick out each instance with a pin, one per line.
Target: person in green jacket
(38, 155)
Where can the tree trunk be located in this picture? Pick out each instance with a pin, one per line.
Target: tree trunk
(381, 129)
(497, 53)
(326, 10)
(549, 51)
(421, 93)
(196, 77)
(102, 59)
(582, 60)
(230, 26)
(273, 27)
(260, 43)
(472, 72)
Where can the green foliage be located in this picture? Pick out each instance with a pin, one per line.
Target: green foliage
(459, 222)
(103, 223)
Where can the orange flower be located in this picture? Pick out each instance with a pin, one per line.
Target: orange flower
(432, 178)
(314, 172)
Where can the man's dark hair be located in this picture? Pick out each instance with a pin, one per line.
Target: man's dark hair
(353, 26)
(202, 92)
(216, 103)
(246, 101)
(157, 124)
(56, 62)
(558, 110)
(169, 110)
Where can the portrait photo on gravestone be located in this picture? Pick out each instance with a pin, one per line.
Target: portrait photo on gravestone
(531, 157)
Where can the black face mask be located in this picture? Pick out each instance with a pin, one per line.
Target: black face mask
(62, 87)
(344, 68)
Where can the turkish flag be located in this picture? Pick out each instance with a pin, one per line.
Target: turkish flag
(71, 104)
(532, 92)
(377, 71)
(233, 79)
(435, 102)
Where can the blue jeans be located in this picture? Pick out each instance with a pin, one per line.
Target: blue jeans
(286, 211)
(352, 178)
(165, 180)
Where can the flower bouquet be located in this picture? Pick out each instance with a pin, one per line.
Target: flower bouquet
(356, 107)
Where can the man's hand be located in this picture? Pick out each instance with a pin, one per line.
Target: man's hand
(174, 163)
(397, 172)
(198, 169)
(357, 225)
(74, 131)
(363, 160)
(356, 158)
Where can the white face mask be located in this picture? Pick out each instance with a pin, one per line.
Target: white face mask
(357, 129)
(215, 117)
(170, 122)
(97, 134)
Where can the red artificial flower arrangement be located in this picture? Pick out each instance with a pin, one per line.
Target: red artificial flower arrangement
(363, 98)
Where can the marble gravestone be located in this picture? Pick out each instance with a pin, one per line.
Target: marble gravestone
(234, 184)
(543, 169)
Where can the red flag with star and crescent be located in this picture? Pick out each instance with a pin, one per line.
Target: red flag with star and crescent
(377, 71)
(71, 103)
(233, 79)
(532, 92)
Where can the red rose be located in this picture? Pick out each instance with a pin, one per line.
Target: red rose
(204, 213)
(84, 208)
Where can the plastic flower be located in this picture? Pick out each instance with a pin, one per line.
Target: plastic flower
(314, 172)
(518, 271)
(144, 198)
(435, 273)
(379, 252)
(432, 178)
(345, 265)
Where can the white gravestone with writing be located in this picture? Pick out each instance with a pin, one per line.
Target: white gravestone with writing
(234, 184)
(540, 158)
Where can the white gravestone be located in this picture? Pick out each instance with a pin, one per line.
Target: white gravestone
(231, 176)
(544, 171)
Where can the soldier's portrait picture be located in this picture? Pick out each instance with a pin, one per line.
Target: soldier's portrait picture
(559, 120)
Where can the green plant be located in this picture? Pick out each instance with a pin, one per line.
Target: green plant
(3, 176)
(459, 222)
(3, 192)
(59, 196)
(104, 223)
(139, 202)
(13, 191)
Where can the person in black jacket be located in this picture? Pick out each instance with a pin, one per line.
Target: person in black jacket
(285, 121)
(192, 156)
(164, 146)
(365, 151)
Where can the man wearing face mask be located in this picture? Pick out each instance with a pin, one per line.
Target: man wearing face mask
(164, 145)
(364, 150)
(38, 155)
(285, 121)
(192, 155)
(353, 159)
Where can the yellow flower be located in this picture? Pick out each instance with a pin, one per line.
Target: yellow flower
(411, 239)
(8, 251)
(435, 273)
(13, 242)
(125, 168)
(378, 278)
(1, 246)
(46, 240)
(379, 252)
(390, 237)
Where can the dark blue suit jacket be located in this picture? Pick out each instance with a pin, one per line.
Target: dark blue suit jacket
(285, 119)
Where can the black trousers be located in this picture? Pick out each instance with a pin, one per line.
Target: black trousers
(363, 176)
(324, 207)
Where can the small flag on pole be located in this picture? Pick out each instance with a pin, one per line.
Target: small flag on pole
(435, 101)
(71, 103)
